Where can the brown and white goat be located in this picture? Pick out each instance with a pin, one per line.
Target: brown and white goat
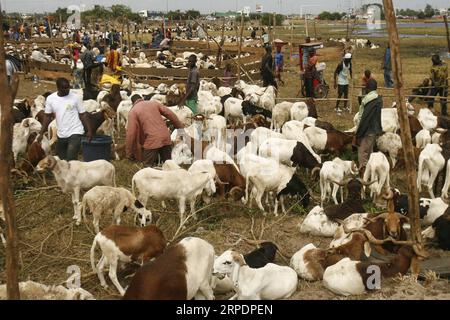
(125, 244)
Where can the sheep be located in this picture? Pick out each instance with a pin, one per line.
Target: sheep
(436, 208)
(332, 140)
(75, 176)
(126, 244)
(391, 144)
(427, 119)
(269, 175)
(310, 262)
(177, 184)
(182, 272)
(316, 223)
(336, 170)
(21, 133)
(423, 138)
(377, 169)
(261, 256)
(349, 277)
(270, 282)
(122, 113)
(431, 162)
(280, 115)
(289, 152)
(299, 111)
(109, 200)
(30, 290)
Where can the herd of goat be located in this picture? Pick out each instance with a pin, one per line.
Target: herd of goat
(243, 146)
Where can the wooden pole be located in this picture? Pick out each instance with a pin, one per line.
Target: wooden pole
(123, 33)
(411, 176)
(448, 34)
(240, 48)
(315, 31)
(129, 37)
(7, 200)
(219, 47)
(306, 26)
(274, 25)
(347, 25)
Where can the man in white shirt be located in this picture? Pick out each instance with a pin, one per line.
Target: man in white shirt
(71, 120)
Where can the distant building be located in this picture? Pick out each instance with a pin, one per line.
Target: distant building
(228, 14)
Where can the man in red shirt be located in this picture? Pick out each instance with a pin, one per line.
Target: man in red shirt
(146, 127)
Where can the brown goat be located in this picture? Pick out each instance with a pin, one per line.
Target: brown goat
(337, 141)
(234, 181)
(35, 153)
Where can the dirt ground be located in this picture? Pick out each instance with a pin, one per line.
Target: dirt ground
(50, 242)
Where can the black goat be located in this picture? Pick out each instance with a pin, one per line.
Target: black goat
(260, 257)
(21, 111)
(441, 227)
(353, 203)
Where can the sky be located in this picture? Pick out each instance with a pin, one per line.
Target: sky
(209, 6)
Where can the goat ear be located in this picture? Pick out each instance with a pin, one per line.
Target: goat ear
(367, 249)
(26, 123)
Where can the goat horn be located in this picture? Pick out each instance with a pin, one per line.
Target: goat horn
(366, 183)
(220, 181)
(445, 198)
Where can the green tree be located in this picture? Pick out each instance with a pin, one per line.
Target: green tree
(195, 14)
(120, 10)
(421, 15)
(429, 11)
(267, 19)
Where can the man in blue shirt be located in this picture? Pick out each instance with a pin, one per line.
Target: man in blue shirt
(279, 65)
(387, 66)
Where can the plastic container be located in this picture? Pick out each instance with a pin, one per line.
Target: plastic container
(98, 149)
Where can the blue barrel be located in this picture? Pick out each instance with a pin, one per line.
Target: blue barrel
(98, 149)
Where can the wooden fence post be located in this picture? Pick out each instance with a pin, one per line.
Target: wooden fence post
(411, 175)
(129, 38)
(448, 34)
(240, 47)
(7, 200)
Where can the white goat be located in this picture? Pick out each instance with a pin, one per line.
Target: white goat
(102, 200)
(270, 282)
(335, 171)
(377, 169)
(431, 162)
(391, 144)
(75, 176)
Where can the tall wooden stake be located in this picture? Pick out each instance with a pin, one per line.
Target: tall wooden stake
(411, 176)
(448, 34)
(219, 48)
(129, 37)
(7, 200)
(240, 48)
(274, 25)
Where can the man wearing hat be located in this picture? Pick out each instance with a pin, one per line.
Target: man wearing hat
(342, 74)
(369, 124)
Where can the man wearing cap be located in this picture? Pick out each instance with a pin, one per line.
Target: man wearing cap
(369, 124)
(439, 83)
(341, 74)
(267, 69)
(147, 127)
(192, 86)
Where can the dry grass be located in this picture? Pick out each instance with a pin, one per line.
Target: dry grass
(50, 241)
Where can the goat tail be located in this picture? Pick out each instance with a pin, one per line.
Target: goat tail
(133, 188)
(92, 255)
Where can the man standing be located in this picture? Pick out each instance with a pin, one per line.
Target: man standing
(146, 126)
(267, 69)
(70, 118)
(89, 63)
(342, 74)
(113, 58)
(279, 62)
(439, 83)
(387, 67)
(310, 75)
(192, 86)
(369, 126)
